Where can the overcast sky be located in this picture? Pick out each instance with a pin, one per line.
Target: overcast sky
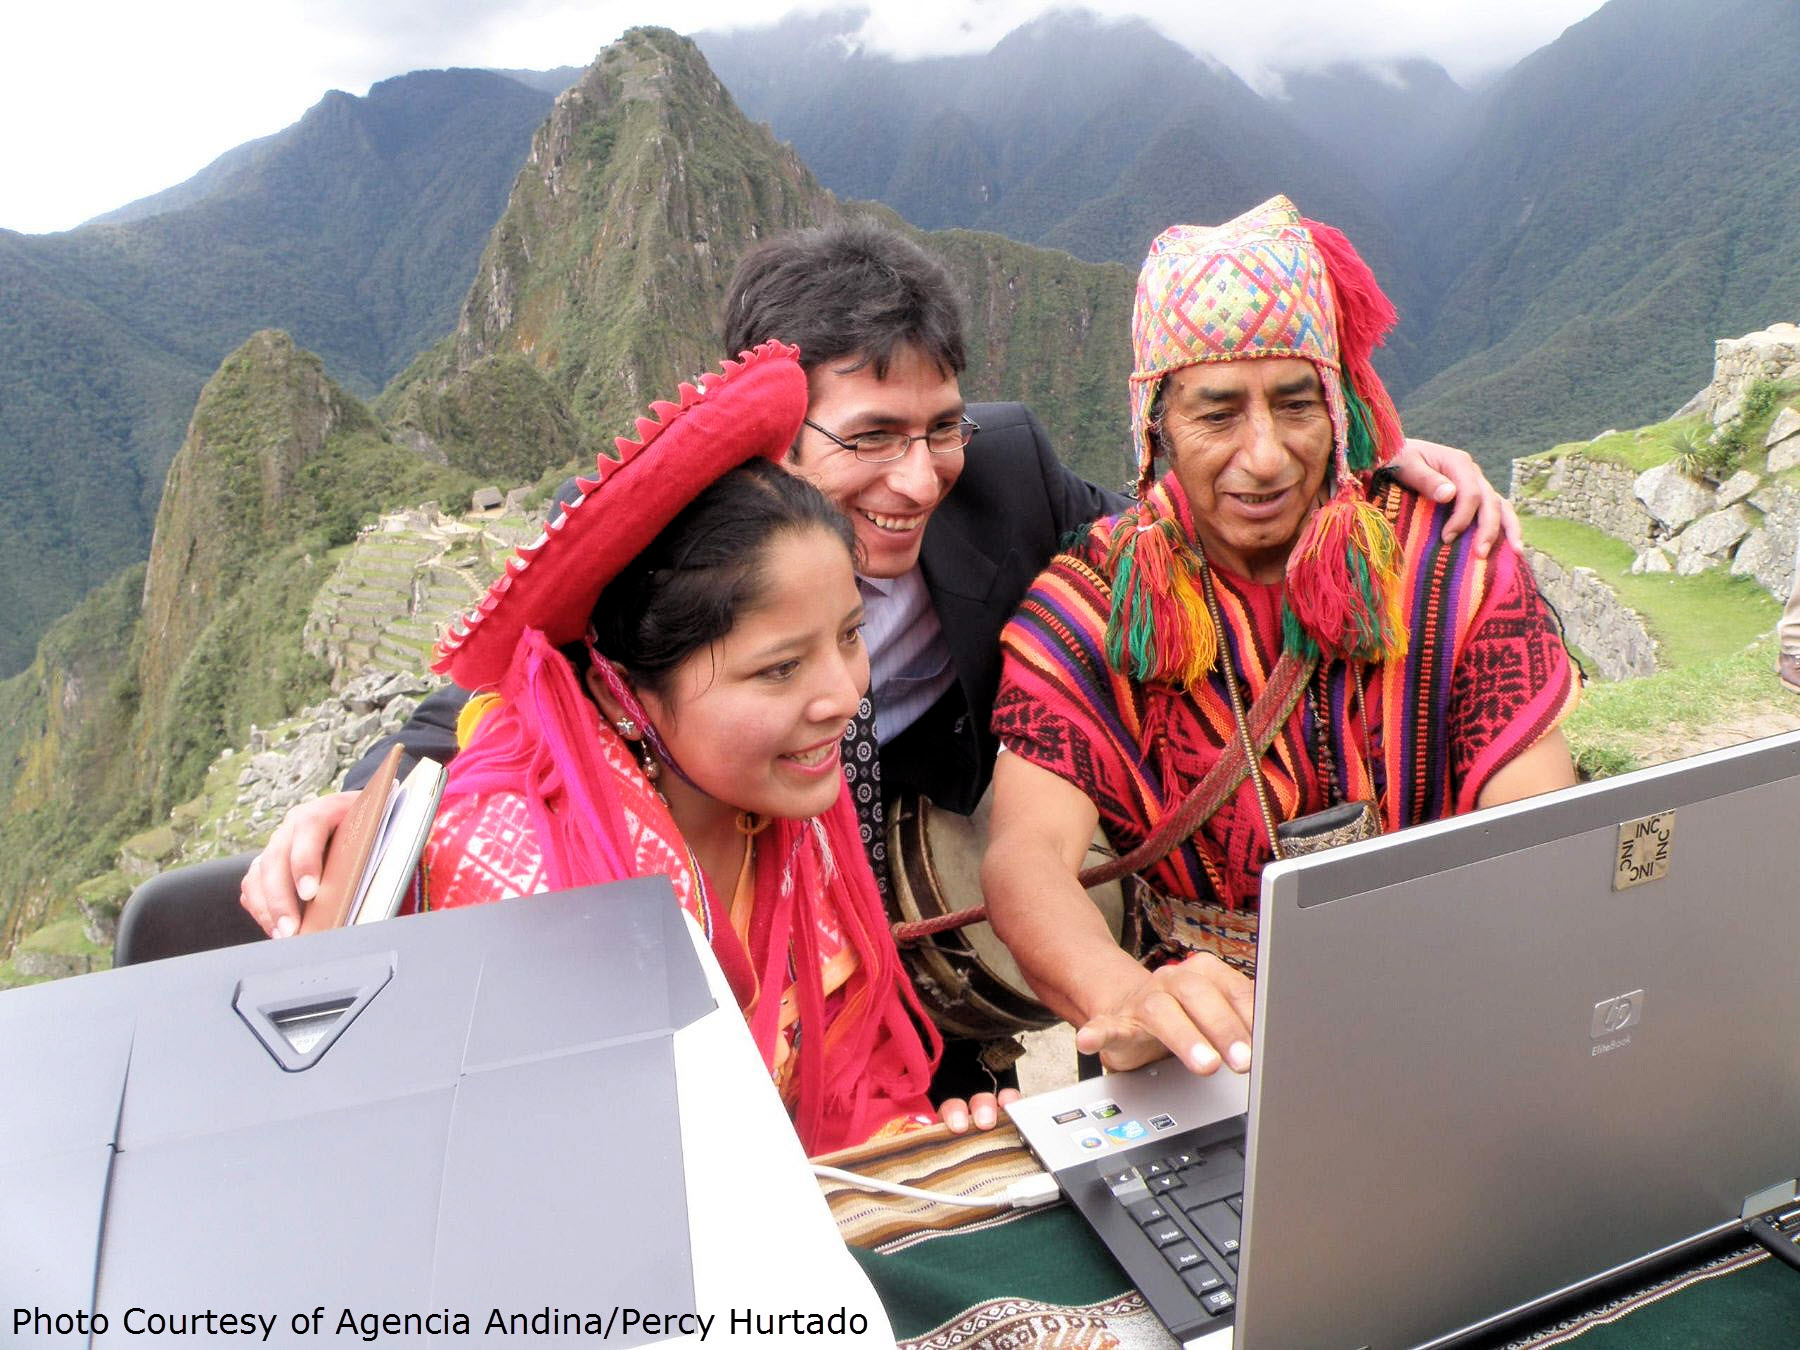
(105, 102)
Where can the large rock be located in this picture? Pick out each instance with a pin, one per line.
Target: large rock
(1653, 559)
(1671, 497)
(1779, 503)
(1737, 487)
(1712, 536)
(144, 855)
(1783, 440)
(52, 965)
(1772, 561)
(1767, 554)
(304, 770)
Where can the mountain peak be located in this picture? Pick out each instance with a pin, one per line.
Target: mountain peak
(637, 197)
(266, 411)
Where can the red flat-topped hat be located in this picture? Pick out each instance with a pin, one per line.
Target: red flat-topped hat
(753, 406)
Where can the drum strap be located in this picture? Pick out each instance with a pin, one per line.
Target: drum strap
(1280, 696)
(1270, 712)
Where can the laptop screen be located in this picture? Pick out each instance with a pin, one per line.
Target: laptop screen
(1512, 1052)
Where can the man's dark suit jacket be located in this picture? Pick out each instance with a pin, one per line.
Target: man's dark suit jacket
(984, 545)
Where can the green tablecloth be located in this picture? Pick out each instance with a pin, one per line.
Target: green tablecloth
(962, 1279)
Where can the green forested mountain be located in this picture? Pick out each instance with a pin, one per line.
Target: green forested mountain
(1070, 132)
(608, 269)
(1381, 123)
(1620, 198)
(356, 229)
(130, 696)
(550, 81)
(637, 197)
(1562, 247)
(598, 287)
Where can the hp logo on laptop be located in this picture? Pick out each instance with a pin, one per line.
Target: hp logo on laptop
(1612, 1016)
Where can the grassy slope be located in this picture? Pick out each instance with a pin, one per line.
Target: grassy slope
(1693, 619)
(1714, 631)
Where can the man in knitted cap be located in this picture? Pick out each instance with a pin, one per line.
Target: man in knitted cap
(1268, 632)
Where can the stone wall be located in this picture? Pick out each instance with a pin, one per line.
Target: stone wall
(403, 581)
(249, 790)
(1586, 490)
(1609, 633)
(1680, 522)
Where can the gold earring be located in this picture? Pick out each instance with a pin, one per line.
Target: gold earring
(647, 762)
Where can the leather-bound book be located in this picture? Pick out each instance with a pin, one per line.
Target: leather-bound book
(351, 852)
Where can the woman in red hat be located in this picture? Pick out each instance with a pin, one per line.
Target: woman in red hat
(669, 671)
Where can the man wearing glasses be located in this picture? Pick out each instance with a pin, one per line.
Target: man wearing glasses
(957, 508)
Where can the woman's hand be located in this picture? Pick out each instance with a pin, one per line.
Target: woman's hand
(285, 875)
(982, 1110)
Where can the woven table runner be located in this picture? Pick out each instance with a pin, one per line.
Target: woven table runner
(982, 1279)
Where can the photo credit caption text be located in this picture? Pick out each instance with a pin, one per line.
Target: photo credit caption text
(626, 1323)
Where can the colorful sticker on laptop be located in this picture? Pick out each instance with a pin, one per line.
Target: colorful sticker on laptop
(1162, 1122)
(1103, 1110)
(1126, 1131)
(1089, 1139)
(1064, 1117)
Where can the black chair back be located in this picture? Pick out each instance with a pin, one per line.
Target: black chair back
(192, 909)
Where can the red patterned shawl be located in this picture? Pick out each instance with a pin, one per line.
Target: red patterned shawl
(548, 797)
(1485, 676)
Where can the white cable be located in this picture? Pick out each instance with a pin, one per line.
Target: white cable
(1026, 1193)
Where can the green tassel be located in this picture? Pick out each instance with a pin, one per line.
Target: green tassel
(1359, 452)
(1158, 630)
(1294, 638)
(1125, 624)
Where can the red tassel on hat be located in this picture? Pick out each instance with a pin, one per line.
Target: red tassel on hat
(1343, 580)
(1365, 316)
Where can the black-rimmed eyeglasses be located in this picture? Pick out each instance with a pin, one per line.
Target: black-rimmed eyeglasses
(883, 447)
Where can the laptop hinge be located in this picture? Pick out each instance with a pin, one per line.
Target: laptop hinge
(1779, 1196)
(1772, 1219)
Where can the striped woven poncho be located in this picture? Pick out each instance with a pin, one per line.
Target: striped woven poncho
(1484, 677)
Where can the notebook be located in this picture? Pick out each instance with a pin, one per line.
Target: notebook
(547, 1110)
(1499, 1060)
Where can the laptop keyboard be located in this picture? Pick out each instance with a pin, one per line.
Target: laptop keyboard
(1185, 1200)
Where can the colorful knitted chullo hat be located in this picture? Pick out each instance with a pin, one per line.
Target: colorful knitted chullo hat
(1267, 284)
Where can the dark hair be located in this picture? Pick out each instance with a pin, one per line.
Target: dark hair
(853, 288)
(690, 584)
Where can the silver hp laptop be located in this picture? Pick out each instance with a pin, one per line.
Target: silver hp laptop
(1499, 1059)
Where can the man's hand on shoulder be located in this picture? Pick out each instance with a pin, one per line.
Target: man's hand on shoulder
(1198, 1010)
(1442, 473)
(286, 873)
